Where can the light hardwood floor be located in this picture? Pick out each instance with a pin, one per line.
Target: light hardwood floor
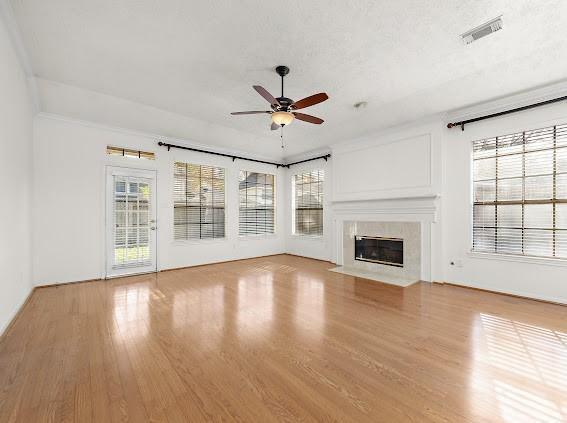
(281, 339)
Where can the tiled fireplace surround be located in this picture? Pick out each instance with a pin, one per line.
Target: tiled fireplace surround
(409, 219)
(410, 232)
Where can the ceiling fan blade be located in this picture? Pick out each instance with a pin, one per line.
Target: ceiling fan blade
(264, 93)
(308, 118)
(310, 101)
(252, 112)
(274, 126)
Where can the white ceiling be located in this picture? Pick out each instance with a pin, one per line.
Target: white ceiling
(195, 61)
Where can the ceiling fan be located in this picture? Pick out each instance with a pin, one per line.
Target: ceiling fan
(284, 109)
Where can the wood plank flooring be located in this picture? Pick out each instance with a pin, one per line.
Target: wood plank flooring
(281, 339)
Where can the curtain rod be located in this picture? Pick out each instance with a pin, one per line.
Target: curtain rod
(233, 157)
(505, 112)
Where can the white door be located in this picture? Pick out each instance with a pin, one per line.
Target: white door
(130, 221)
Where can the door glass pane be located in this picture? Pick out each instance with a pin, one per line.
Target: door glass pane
(132, 217)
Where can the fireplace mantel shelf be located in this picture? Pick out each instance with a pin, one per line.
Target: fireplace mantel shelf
(387, 199)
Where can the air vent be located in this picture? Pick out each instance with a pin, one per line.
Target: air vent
(482, 30)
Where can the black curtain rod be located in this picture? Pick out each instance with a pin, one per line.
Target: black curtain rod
(233, 157)
(325, 157)
(505, 112)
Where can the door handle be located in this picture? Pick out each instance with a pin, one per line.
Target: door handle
(153, 228)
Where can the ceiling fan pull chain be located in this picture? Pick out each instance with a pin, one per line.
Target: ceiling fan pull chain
(281, 136)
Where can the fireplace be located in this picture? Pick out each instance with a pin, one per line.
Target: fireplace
(389, 251)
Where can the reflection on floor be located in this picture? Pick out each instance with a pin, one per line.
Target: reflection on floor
(281, 339)
(529, 364)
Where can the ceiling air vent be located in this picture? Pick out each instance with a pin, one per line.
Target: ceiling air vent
(482, 30)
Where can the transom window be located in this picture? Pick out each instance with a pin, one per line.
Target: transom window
(256, 203)
(198, 201)
(308, 203)
(126, 152)
(520, 193)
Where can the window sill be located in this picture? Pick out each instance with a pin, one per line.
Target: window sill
(519, 259)
(181, 242)
(308, 237)
(256, 237)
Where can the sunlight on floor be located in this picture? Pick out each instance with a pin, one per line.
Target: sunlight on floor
(310, 307)
(131, 311)
(255, 313)
(529, 365)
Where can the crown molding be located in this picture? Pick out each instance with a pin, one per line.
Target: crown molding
(150, 136)
(306, 155)
(7, 15)
(524, 98)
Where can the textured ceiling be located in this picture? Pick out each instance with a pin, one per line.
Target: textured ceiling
(199, 59)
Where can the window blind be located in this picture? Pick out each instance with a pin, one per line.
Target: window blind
(520, 193)
(198, 201)
(256, 203)
(308, 188)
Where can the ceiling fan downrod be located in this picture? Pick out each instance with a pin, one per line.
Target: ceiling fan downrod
(282, 71)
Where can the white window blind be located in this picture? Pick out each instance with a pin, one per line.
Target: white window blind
(308, 199)
(198, 201)
(520, 193)
(256, 204)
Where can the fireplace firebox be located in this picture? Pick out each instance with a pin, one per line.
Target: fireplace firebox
(389, 251)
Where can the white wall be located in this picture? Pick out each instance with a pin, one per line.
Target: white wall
(69, 164)
(428, 159)
(537, 278)
(317, 247)
(395, 175)
(16, 116)
(388, 165)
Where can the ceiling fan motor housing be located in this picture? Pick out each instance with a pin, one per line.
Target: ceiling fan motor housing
(285, 103)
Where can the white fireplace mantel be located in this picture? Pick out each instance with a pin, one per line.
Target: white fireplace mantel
(423, 209)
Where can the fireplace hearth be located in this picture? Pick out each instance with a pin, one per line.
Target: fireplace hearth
(388, 251)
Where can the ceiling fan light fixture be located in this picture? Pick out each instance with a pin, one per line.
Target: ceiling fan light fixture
(282, 118)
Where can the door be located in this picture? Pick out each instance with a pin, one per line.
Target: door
(130, 221)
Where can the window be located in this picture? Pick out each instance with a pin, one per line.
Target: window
(198, 202)
(520, 193)
(308, 197)
(125, 152)
(256, 204)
